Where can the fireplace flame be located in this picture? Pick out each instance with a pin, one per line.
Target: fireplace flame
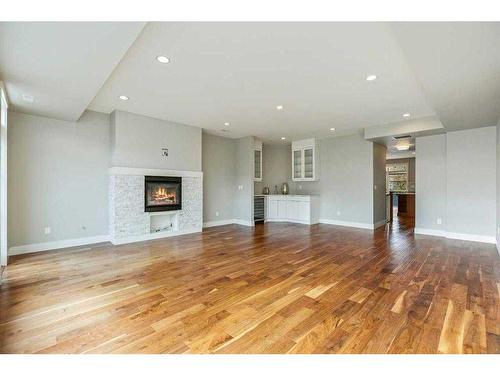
(162, 194)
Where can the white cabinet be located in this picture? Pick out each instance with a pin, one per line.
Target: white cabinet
(305, 160)
(257, 160)
(293, 208)
(272, 209)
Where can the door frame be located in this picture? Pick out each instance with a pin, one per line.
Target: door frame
(4, 105)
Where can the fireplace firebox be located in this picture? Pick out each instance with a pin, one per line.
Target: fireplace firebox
(162, 193)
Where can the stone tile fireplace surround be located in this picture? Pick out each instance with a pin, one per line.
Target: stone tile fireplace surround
(128, 221)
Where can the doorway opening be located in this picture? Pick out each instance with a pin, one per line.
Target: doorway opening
(400, 185)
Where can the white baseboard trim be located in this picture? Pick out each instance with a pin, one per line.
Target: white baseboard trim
(218, 223)
(288, 221)
(430, 232)
(246, 223)
(352, 224)
(152, 236)
(471, 237)
(379, 224)
(53, 245)
(456, 236)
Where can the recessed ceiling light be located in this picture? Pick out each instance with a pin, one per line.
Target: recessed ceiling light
(332, 129)
(406, 114)
(28, 98)
(279, 107)
(124, 97)
(403, 147)
(227, 124)
(163, 59)
(371, 77)
(283, 138)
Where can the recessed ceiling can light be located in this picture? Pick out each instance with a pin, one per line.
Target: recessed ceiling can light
(123, 97)
(332, 129)
(371, 77)
(406, 114)
(227, 124)
(279, 107)
(163, 59)
(283, 138)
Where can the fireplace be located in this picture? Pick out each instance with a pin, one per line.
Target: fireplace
(162, 193)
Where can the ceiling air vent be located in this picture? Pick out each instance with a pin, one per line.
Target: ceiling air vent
(402, 137)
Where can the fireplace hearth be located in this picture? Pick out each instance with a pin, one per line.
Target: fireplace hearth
(162, 193)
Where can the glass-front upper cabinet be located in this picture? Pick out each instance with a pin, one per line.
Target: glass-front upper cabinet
(305, 160)
(297, 164)
(257, 160)
(308, 163)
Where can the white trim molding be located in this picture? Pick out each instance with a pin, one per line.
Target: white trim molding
(456, 236)
(352, 224)
(153, 236)
(471, 237)
(218, 223)
(53, 245)
(379, 224)
(430, 232)
(247, 223)
(152, 172)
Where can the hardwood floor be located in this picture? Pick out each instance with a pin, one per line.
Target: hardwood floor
(278, 288)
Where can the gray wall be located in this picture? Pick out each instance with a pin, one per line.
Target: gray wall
(379, 199)
(456, 181)
(219, 177)
(276, 167)
(471, 181)
(243, 199)
(57, 177)
(346, 179)
(227, 163)
(137, 141)
(430, 180)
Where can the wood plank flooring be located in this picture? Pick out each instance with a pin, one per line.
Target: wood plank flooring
(278, 288)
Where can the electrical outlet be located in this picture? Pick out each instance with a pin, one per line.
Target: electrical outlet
(216, 213)
(300, 187)
(375, 187)
(338, 213)
(240, 187)
(439, 221)
(47, 230)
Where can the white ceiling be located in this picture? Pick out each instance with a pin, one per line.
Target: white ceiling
(61, 65)
(458, 66)
(239, 72)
